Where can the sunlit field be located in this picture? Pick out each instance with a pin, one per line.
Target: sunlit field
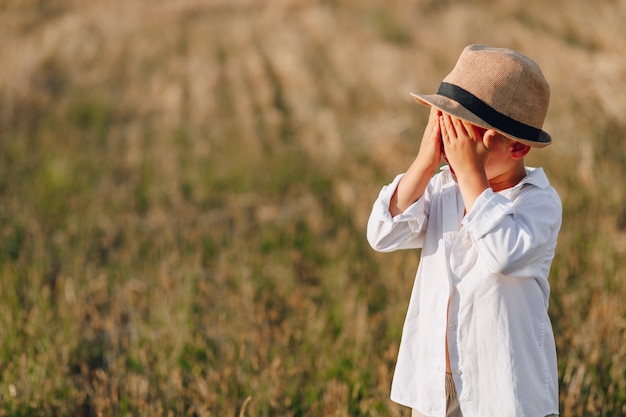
(184, 189)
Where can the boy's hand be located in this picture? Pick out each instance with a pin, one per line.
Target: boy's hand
(463, 145)
(429, 154)
(467, 154)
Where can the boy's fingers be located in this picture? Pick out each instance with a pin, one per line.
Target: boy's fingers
(472, 131)
(460, 128)
(449, 127)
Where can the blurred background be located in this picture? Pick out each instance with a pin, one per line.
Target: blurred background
(184, 189)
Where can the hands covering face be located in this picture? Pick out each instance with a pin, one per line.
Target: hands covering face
(459, 142)
(463, 144)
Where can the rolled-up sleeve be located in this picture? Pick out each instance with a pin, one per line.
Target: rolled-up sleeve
(404, 231)
(515, 239)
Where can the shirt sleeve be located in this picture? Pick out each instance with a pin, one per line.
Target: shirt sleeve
(404, 231)
(515, 237)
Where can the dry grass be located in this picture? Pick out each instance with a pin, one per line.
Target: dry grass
(184, 187)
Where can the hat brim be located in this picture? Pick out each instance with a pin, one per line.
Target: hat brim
(452, 107)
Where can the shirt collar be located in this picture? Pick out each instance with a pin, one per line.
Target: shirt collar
(536, 177)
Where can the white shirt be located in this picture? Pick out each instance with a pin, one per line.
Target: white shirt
(492, 265)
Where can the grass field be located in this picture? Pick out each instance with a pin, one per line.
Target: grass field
(184, 188)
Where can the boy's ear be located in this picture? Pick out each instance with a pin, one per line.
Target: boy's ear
(518, 150)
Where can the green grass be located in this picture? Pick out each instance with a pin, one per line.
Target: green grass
(182, 212)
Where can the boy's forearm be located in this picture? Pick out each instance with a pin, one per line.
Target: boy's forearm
(472, 185)
(411, 187)
(414, 182)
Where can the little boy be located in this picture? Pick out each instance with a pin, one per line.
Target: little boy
(477, 340)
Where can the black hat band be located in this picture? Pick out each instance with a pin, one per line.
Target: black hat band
(491, 115)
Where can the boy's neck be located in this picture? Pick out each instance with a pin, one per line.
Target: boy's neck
(508, 179)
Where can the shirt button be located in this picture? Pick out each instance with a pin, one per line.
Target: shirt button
(457, 372)
(451, 326)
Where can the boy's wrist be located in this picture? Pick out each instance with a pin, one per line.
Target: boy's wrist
(472, 184)
(426, 165)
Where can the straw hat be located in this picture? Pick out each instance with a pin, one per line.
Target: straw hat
(496, 88)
